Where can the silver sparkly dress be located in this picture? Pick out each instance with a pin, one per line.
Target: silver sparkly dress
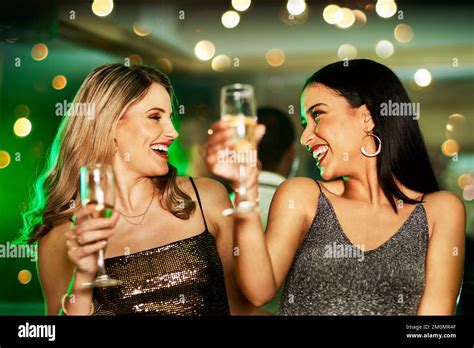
(331, 276)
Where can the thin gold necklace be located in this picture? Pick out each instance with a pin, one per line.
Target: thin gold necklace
(143, 214)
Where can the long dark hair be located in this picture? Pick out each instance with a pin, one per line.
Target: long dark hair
(403, 155)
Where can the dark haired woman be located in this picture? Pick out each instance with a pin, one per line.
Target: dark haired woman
(383, 240)
(173, 256)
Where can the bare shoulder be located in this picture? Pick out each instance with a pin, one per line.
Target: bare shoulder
(299, 192)
(55, 238)
(446, 211)
(210, 190)
(444, 201)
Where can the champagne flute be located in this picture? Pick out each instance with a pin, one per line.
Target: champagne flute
(97, 187)
(238, 110)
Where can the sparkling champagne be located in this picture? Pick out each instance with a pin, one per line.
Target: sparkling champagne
(244, 136)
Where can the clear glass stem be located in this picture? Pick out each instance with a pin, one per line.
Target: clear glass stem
(101, 263)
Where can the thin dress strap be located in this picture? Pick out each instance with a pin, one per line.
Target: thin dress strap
(319, 185)
(199, 201)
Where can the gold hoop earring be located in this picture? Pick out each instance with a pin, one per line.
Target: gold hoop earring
(379, 148)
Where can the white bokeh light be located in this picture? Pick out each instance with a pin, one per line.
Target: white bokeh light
(296, 7)
(384, 49)
(205, 50)
(422, 77)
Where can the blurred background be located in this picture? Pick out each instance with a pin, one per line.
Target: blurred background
(48, 47)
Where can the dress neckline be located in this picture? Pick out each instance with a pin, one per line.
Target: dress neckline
(202, 234)
(385, 243)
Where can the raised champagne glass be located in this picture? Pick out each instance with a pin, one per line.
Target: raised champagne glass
(97, 186)
(238, 110)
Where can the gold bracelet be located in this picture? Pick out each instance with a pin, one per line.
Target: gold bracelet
(63, 306)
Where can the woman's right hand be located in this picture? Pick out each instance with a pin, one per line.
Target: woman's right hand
(87, 237)
(220, 139)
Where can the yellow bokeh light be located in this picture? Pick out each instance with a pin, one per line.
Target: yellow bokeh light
(329, 14)
(455, 122)
(39, 51)
(403, 33)
(135, 59)
(422, 77)
(296, 7)
(464, 180)
(22, 127)
(221, 63)
(230, 19)
(385, 8)
(21, 110)
(450, 147)
(346, 51)
(59, 82)
(4, 159)
(204, 50)
(141, 30)
(275, 57)
(102, 8)
(24, 276)
(360, 17)
(241, 5)
(344, 18)
(165, 65)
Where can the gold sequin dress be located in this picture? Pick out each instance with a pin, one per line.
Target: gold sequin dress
(180, 278)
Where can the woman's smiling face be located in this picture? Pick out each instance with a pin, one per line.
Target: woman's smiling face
(333, 130)
(145, 132)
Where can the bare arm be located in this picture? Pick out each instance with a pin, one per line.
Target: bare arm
(445, 256)
(216, 200)
(265, 258)
(66, 262)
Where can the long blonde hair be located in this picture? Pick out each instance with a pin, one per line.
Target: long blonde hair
(82, 139)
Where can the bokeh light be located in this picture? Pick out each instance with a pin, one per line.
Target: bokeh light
(346, 51)
(422, 77)
(241, 5)
(360, 17)
(21, 110)
(386, 8)
(296, 7)
(141, 30)
(39, 51)
(102, 8)
(384, 49)
(464, 180)
(165, 65)
(24, 276)
(344, 18)
(450, 147)
(221, 63)
(230, 19)
(275, 57)
(403, 33)
(59, 82)
(4, 159)
(204, 50)
(135, 59)
(455, 122)
(22, 127)
(329, 14)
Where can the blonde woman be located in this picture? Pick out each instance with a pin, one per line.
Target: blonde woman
(173, 256)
